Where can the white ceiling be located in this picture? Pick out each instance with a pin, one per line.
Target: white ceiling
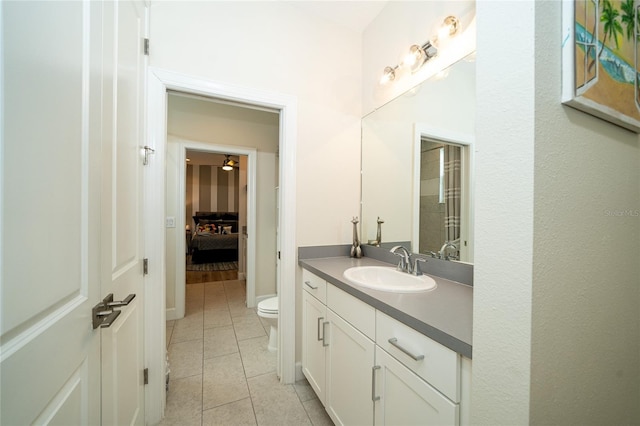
(352, 14)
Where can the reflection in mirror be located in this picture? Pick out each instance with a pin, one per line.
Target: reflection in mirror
(422, 198)
(440, 198)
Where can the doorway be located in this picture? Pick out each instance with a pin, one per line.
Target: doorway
(160, 82)
(176, 201)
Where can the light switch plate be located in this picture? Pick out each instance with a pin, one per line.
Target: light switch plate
(171, 222)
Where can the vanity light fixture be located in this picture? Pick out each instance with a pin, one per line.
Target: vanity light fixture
(227, 164)
(419, 54)
(389, 74)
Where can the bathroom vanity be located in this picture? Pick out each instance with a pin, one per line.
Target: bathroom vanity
(378, 357)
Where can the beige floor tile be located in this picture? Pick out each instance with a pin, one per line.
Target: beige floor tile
(239, 309)
(239, 413)
(304, 390)
(217, 317)
(223, 381)
(194, 291)
(169, 331)
(265, 325)
(276, 404)
(184, 402)
(209, 383)
(185, 358)
(184, 333)
(219, 341)
(215, 289)
(248, 326)
(256, 358)
(316, 412)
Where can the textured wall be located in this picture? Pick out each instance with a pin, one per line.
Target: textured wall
(585, 360)
(504, 231)
(557, 272)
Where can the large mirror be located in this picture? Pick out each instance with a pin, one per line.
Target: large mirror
(417, 166)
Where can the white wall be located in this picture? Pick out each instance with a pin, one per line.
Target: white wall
(557, 278)
(278, 47)
(586, 300)
(275, 46)
(505, 114)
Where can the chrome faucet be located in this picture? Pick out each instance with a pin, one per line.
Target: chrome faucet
(405, 263)
(443, 250)
(416, 267)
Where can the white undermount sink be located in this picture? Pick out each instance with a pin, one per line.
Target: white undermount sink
(386, 278)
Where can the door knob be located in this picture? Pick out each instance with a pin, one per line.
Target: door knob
(103, 314)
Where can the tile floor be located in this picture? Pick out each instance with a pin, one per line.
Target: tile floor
(221, 370)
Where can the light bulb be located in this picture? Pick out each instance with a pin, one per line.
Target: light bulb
(449, 27)
(389, 74)
(415, 57)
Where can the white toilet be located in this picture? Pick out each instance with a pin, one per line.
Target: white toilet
(268, 309)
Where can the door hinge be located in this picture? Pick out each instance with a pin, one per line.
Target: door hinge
(147, 151)
(145, 266)
(145, 374)
(146, 46)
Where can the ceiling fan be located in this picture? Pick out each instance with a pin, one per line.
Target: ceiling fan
(228, 164)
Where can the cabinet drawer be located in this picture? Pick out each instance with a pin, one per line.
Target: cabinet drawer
(357, 313)
(438, 365)
(314, 285)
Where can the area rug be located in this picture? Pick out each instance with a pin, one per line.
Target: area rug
(217, 266)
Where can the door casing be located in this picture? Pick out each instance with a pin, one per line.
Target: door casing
(159, 82)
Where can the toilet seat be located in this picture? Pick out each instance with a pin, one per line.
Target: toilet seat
(268, 307)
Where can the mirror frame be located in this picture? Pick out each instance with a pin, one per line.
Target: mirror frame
(466, 141)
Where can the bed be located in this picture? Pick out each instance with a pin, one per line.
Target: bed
(215, 238)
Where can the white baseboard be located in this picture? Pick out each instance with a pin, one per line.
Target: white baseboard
(299, 373)
(171, 314)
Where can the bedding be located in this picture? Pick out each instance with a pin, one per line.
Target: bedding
(215, 238)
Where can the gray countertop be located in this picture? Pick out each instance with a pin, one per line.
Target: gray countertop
(444, 314)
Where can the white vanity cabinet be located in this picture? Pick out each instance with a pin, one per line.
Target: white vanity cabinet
(417, 380)
(350, 358)
(369, 368)
(403, 398)
(314, 328)
(337, 357)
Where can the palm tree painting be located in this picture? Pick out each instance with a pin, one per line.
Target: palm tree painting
(605, 56)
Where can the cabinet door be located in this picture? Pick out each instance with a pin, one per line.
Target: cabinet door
(314, 316)
(349, 374)
(406, 399)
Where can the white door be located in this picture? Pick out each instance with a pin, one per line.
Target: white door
(349, 374)
(58, 112)
(406, 399)
(314, 321)
(122, 163)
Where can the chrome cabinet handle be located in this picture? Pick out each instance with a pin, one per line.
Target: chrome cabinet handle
(319, 321)
(394, 342)
(324, 333)
(308, 283)
(374, 398)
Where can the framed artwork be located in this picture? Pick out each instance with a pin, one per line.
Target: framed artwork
(600, 59)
